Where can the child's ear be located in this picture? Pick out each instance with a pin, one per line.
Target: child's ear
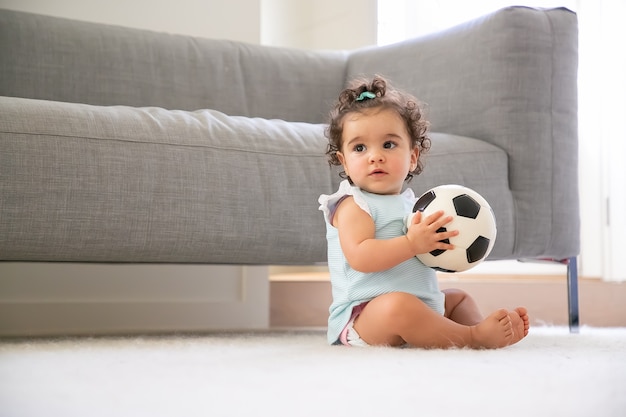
(343, 161)
(415, 155)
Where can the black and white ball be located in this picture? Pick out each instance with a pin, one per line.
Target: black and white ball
(472, 217)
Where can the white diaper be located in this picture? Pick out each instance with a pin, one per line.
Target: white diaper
(353, 337)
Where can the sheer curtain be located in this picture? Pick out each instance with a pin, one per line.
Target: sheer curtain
(602, 108)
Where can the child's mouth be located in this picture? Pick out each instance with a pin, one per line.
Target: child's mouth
(377, 172)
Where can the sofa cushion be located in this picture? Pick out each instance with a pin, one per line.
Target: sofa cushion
(123, 184)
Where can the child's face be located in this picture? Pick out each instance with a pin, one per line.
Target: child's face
(376, 151)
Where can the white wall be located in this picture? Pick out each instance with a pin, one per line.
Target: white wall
(321, 24)
(225, 19)
(309, 24)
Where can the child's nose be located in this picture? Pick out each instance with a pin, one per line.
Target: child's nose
(376, 156)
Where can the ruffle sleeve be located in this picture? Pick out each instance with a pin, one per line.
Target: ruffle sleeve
(329, 203)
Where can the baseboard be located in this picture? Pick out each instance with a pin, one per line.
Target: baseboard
(303, 300)
(40, 299)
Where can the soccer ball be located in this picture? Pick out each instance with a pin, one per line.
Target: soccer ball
(472, 217)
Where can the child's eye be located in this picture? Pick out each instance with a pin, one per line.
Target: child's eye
(389, 145)
(359, 148)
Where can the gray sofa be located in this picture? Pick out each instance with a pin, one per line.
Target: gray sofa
(120, 145)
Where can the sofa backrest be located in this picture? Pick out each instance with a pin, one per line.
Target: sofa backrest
(65, 60)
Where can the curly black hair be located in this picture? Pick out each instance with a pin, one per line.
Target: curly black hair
(382, 96)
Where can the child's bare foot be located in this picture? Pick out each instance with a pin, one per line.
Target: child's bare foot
(495, 331)
(520, 322)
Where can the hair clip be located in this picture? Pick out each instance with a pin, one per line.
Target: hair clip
(365, 95)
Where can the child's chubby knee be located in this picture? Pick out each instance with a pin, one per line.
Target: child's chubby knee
(394, 305)
(381, 321)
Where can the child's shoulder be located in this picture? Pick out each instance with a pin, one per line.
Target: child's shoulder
(348, 208)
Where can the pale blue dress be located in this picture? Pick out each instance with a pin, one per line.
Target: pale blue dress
(351, 288)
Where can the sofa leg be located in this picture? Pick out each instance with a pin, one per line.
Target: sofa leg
(573, 317)
(572, 294)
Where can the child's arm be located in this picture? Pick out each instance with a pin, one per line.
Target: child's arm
(366, 254)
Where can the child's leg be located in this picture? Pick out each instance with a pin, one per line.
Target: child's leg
(395, 318)
(461, 307)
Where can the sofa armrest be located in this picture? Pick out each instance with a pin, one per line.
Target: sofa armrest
(510, 79)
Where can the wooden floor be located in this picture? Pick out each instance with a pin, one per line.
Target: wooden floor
(302, 300)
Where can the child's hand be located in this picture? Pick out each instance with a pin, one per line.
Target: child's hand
(423, 236)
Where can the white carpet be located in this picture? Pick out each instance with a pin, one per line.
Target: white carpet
(550, 373)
